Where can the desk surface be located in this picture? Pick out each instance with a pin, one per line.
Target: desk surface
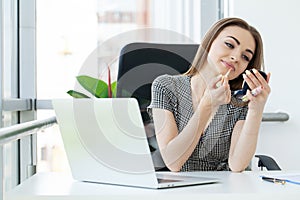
(245, 185)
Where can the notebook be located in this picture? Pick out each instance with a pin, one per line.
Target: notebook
(105, 142)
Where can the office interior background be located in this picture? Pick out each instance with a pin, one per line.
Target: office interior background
(45, 43)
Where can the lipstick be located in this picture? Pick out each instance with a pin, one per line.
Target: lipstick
(227, 74)
(222, 80)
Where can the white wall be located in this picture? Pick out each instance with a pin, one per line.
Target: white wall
(278, 22)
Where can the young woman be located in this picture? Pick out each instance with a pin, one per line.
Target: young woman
(199, 123)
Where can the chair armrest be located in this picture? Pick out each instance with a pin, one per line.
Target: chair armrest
(268, 162)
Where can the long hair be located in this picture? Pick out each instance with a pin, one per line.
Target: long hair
(257, 60)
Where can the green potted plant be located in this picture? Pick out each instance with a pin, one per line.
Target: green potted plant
(97, 87)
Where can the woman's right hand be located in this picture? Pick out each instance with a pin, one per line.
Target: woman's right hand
(218, 95)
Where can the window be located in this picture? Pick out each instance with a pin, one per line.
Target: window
(8, 47)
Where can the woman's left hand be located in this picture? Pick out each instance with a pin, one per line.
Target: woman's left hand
(257, 80)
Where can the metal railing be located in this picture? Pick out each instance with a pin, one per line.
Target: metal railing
(18, 131)
(15, 132)
(275, 117)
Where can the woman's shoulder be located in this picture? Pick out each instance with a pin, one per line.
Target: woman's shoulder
(168, 80)
(163, 78)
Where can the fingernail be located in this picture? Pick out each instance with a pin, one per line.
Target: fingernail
(248, 72)
(255, 70)
(244, 76)
(245, 98)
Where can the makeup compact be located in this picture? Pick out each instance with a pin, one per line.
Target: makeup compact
(241, 93)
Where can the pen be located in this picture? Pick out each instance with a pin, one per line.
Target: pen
(274, 180)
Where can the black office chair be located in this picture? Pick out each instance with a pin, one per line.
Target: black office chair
(140, 64)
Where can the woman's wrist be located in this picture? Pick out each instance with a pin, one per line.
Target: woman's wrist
(205, 103)
(206, 107)
(257, 108)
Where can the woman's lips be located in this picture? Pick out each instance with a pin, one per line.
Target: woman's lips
(228, 65)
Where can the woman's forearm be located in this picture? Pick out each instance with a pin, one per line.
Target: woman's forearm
(245, 145)
(180, 148)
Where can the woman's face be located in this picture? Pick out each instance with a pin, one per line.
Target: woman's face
(232, 49)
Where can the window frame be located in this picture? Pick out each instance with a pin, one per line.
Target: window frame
(17, 60)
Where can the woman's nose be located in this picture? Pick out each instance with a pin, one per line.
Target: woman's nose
(233, 58)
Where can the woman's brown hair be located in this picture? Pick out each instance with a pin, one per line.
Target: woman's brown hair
(256, 62)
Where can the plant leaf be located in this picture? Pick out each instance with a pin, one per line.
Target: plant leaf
(114, 89)
(96, 87)
(76, 94)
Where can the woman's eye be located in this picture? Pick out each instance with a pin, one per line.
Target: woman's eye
(229, 45)
(246, 58)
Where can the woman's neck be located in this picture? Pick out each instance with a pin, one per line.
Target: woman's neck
(206, 73)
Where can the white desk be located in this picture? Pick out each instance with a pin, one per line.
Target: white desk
(239, 186)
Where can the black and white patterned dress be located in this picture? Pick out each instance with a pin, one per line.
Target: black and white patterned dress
(173, 93)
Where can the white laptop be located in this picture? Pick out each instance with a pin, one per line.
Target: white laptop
(105, 142)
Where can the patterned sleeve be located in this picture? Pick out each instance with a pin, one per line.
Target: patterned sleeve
(162, 95)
